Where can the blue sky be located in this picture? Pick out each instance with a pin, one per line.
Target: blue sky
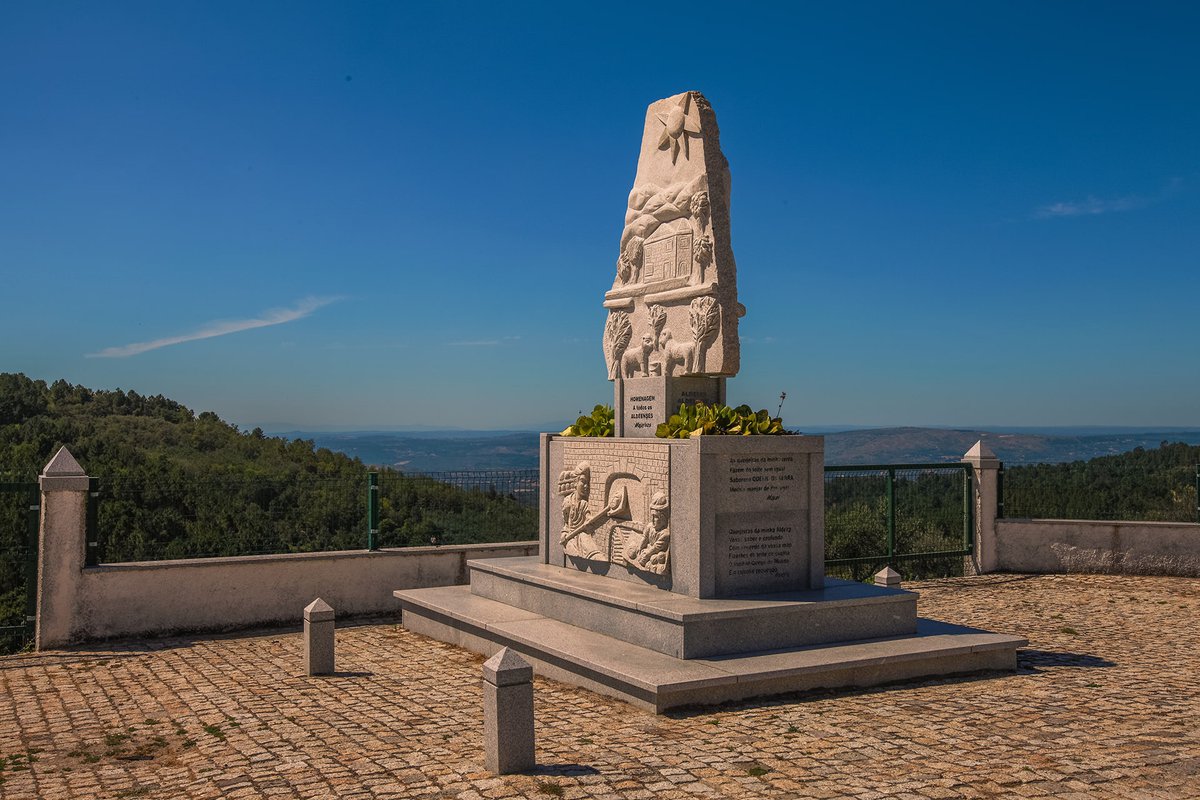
(364, 215)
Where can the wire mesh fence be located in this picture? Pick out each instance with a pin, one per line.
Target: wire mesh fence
(915, 518)
(18, 570)
(143, 520)
(464, 507)
(1102, 491)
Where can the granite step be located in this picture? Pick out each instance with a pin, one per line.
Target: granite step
(687, 627)
(656, 681)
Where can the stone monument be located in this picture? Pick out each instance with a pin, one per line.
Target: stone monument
(671, 333)
(681, 571)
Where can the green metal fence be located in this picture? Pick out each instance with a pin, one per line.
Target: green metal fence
(140, 520)
(461, 507)
(18, 564)
(916, 518)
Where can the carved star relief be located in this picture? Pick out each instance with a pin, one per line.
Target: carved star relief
(677, 124)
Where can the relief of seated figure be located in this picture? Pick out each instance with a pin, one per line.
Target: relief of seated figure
(649, 551)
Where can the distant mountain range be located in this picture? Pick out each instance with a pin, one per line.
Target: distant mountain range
(433, 451)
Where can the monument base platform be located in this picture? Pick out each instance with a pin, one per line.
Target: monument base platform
(655, 681)
(688, 627)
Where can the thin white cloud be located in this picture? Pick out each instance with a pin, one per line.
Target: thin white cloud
(1092, 205)
(274, 316)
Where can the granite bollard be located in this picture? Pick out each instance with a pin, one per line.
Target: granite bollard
(318, 638)
(508, 713)
(888, 577)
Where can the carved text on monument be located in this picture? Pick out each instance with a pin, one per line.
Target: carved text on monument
(765, 551)
(767, 479)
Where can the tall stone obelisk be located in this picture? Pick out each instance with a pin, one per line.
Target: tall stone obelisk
(671, 334)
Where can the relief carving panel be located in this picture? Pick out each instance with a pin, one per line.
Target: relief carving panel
(615, 507)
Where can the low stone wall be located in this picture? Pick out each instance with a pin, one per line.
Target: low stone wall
(1057, 545)
(227, 593)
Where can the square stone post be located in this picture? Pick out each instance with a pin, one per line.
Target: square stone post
(508, 713)
(318, 638)
(985, 466)
(62, 548)
(887, 578)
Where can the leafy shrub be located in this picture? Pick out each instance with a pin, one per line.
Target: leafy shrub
(701, 419)
(598, 423)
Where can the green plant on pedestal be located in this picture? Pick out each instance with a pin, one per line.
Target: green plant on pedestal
(598, 423)
(702, 419)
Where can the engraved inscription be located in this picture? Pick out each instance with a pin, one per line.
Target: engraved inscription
(769, 480)
(643, 411)
(760, 551)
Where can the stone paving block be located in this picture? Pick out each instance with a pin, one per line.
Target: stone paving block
(1108, 711)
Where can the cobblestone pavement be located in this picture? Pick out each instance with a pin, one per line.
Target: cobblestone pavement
(1104, 705)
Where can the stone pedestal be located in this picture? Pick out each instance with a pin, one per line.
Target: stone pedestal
(641, 404)
(745, 513)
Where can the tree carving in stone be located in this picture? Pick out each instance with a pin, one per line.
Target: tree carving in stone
(705, 319)
(700, 210)
(629, 264)
(701, 257)
(617, 333)
(658, 318)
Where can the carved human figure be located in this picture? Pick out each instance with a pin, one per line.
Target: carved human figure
(636, 360)
(650, 550)
(575, 487)
(676, 354)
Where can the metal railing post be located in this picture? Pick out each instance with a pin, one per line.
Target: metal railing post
(968, 509)
(92, 537)
(1198, 493)
(1000, 491)
(33, 542)
(372, 510)
(891, 520)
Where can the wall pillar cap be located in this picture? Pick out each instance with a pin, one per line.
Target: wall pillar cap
(981, 455)
(887, 577)
(63, 465)
(318, 611)
(506, 668)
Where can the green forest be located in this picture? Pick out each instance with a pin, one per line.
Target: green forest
(177, 484)
(1156, 484)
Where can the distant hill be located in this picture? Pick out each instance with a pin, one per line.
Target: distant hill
(429, 452)
(490, 450)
